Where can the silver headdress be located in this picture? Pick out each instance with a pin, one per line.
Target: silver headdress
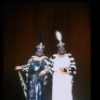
(40, 46)
(59, 38)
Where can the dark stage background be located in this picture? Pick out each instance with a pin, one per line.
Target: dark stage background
(22, 23)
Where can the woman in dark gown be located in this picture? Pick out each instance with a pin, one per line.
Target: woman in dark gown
(37, 70)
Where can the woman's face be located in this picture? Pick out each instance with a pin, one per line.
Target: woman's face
(40, 52)
(61, 50)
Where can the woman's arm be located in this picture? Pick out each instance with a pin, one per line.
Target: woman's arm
(47, 67)
(18, 67)
(72, 67)
(24, 67)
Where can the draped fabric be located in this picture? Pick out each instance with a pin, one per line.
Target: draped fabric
(35, 88)
(35, 84)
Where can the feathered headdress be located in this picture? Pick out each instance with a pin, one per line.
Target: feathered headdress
(59, 38)
(40, 46)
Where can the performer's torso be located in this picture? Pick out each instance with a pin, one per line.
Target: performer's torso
(36, 66)
(61, 62)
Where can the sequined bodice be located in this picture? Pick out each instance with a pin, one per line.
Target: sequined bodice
(36, 66)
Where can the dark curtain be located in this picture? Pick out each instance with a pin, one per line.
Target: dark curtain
(22, 22)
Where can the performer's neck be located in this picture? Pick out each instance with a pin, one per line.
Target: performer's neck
(61, 55)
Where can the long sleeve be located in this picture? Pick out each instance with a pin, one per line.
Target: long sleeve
(47, 67)
(52, 60)
(51, 64)
(26, 66)
(72, 65)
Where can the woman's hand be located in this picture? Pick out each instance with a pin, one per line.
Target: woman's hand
(42, 73)
(61, 69)
(18, 68)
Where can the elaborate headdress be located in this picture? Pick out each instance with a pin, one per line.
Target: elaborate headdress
(59, 38)
(40, 46)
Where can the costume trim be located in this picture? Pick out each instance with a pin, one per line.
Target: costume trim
(22, 83)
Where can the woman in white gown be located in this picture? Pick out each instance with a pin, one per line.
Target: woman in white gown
(63, 66)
